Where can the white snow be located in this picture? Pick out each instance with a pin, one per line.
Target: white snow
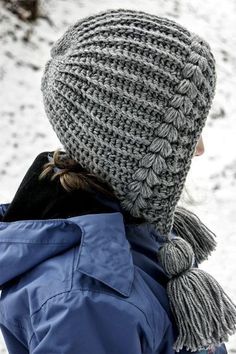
(25, 131)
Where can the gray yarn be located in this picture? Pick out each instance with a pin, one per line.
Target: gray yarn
(176, 256)
(128, 94)
(204, 314)
(189, 227)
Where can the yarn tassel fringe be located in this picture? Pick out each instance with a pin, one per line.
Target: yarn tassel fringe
(205, 315)
(209, 314)
(188, 226)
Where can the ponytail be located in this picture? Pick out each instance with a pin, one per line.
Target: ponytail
(72, 175)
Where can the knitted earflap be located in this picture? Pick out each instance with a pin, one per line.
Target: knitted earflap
(189, 227)
(204, 314)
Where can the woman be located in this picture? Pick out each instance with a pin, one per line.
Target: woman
(96, 256)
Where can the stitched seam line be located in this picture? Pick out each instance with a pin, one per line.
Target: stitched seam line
(100, 292)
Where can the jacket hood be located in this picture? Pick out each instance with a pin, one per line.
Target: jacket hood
(104, 250)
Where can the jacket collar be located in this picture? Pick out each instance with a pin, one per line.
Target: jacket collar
(104, 251)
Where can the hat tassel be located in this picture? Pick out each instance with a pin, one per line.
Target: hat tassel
(205, 315)
(188, 226)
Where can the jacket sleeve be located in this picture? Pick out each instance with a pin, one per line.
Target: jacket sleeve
(85, 322)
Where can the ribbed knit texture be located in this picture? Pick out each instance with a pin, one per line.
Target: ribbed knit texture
(128, 94)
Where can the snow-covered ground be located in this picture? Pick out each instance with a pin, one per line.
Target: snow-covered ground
(25, 131)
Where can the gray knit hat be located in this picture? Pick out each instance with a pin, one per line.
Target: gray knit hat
(128, 94)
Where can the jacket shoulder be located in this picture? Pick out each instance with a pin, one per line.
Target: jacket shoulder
(123, 323)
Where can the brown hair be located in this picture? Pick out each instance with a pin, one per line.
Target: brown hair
(72, 175)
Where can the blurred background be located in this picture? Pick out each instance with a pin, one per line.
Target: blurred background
(28, 29)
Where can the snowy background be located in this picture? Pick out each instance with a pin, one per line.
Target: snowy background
(25, 131)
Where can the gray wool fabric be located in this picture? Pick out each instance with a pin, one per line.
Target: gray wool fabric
(128, 94)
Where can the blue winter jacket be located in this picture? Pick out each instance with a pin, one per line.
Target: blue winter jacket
(83, 285)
